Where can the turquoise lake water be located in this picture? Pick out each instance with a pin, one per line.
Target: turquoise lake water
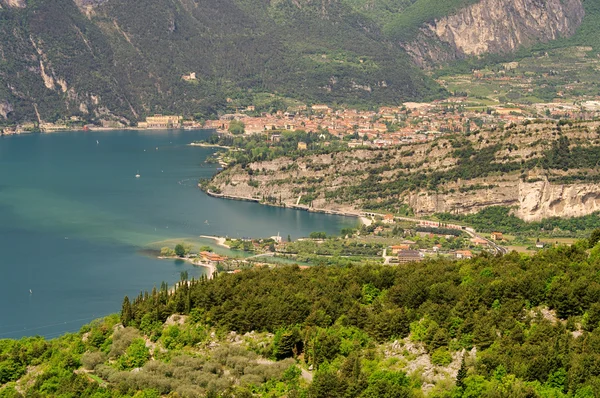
(75, 222)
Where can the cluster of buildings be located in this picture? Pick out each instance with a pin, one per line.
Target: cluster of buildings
(20, 129)
(212, 258)
(405, 253)
(390, 125)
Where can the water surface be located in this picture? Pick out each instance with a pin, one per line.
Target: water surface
(75, 221)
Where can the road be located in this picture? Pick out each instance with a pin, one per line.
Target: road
(435, 224)
(386, 258)
(260, 255)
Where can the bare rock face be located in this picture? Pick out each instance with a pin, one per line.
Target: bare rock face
(495, 26)
(532, 201)
(505, 192)
(5, 109)
(87, 6)
(541, 199)
(85, 3)
(14, 3)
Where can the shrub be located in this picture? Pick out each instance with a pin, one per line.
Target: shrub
(122, 338)
(441, 357)
(92, 359)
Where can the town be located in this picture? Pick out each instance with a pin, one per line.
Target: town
(410, 122)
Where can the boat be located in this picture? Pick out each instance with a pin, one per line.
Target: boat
(138, 174)
(97, 142)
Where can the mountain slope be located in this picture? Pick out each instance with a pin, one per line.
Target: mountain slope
(127, 59)
(490, 27)
(121, 60)
(521, 167)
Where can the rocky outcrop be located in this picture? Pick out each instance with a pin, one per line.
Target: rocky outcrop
(13, 3)
(343, 181)
(532, 201)
(5, 109)
(542, 200)
(87, 6)
(495, 26)
(503, 193)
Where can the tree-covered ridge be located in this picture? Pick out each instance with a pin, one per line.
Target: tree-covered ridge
(122, 61)
(127, 59)
(491, 326)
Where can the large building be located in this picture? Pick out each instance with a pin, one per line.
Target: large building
(163, 122)
(409, 256)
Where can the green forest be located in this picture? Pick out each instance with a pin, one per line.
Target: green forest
(126, 59)
(122, 61)
(515, 326)
(498, 218)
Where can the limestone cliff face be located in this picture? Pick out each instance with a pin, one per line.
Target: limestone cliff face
(5, 109)
(343, 181)
(495, 26)
(532, 201)
(542, 200)
(13, 3)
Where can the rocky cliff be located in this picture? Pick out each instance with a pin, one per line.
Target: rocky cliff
(514, 169)
(532, 201)
(495, 26)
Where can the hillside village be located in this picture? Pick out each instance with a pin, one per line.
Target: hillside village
(387, 126)
(410, 122)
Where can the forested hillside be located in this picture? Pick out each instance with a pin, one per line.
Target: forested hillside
(120, 60)
(128, 58)
(493, 326)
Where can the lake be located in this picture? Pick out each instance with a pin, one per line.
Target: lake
(76, 223)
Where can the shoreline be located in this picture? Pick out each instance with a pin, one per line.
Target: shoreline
(358, 215)
(99, 129)
(195, 262)
(204, 145)
(220, 241)
(366, 221)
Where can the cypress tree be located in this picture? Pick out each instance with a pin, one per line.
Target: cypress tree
(462, 374)
(126, 312)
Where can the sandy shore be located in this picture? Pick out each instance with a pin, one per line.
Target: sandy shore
(202, 144)
(198, 263)
(220, 241)
(211, 268)
(366, 221)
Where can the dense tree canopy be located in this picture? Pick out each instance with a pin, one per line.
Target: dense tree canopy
(514, 325)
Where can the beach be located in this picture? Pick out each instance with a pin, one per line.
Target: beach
(220, 241)
(366, 220)
(196, 262)
(211, 268)
(205, 145)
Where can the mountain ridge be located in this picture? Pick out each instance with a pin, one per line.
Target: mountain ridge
(117, 61)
